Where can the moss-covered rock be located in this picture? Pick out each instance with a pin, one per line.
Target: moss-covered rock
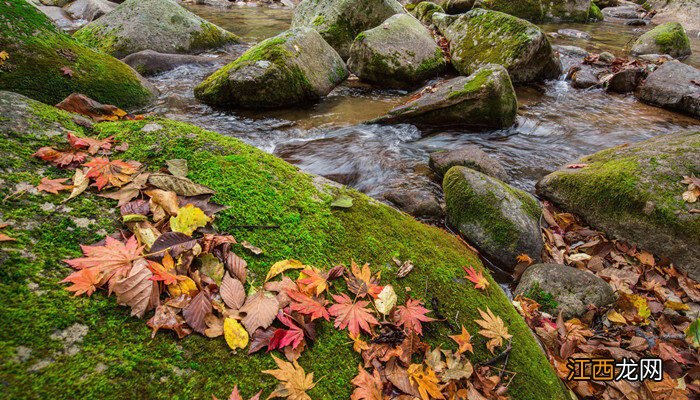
(340, 21)
(47, 65)
(400, 53)
(293, 67)
(540, 10)
(566, 10)
(425, 9)
(500, 220)
(485, 99)
(457, 6)
(470, 156)
(160, 25)
(481, 37)
(594, 13)
(634, 193)
(117, 358)
(672, 86)
(669, 38)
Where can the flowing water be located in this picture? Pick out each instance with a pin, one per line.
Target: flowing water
(556, 124)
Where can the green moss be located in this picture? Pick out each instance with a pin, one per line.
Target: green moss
(476, 82)
(258, 189)
(594, 13)
(670, 37)
(425, 9)
(38, 52)
(211, 36)
(531, 10)
(96, 37)
(319, 20)
(545, 299)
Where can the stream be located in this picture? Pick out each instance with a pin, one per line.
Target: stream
(556, 124)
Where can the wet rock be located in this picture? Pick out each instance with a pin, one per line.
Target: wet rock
(457, 6)
(686, 12)
(574, 290)
(485, 99)
(673, 85)
(606, 58)
(625, 81)
(570, 55)
(340, 21)
(399, 53)
(539, 10)
(481, 37)
(470, 156)
(294, 67)
(566, 10)
(633, 193)
(441, 21)
(637, 22)
(89, 10)
(574, 33)
(419, 202)
(149, 62)
(669, 38)
(606, 3)
(584, 77)
(500, 220)
(425, 9)
(622, 12)
(160, 25)
(52, 68)
(55, 3)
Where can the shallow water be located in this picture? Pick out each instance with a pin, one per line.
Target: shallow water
(556, 125)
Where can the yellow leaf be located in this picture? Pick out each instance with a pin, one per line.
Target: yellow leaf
(425, 381)
(235, 334)
(616, 317)
(494, 329)
(185, 285)
(676, 305)
(281, 266)
(463, 340)
(294, 381)
(3, 56)
(386, 300)
(188, 219)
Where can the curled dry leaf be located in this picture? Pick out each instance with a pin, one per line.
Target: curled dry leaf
(180, 185)
(80, 183)
(281, 266)
(167, 200)
(61, 159)
(167, 317)
(386, 300)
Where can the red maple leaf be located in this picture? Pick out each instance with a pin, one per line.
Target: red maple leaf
(306, 305)
(411, 315)
(286, 337)
(109, 262)
(116, 172)
(353, 316)
(65, 70)
(60, 159)
(92, 145)
(52, 185)
(480, 282)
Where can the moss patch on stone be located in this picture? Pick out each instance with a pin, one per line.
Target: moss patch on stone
(38, 52)
(118, 358)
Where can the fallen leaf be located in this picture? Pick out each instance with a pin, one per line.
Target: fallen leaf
(260, 310)
(177, 167)
(196, 311)
(463, 340)
(303, 304)
(281, 266)
(80, 183)
(411, 315)
(137, 290)
(232, 292)
(116, 173)
(167, 317)
(480, 282)
(255, 250)
(189, 218)
(81, 104)
(367, 387)
(493, 329)
(342, 201)
(425, 381)
(312, 281)
(353, 316)
(286, 337)
(180, 185)
(386, 300)
(294, 381)
(61, 159)
(67, 71)
(235, 335)
(92, 145)
(184, 286)
(52, 185)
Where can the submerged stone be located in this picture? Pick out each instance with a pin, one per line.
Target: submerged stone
(160, 25)
(294, 67)
(500, 220)
(634, 193)
(485, 99)
(399, 53)
(481, 37)
(339, 21)
(48, 65)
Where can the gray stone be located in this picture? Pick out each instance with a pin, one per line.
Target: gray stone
(634, 193)
(669, 38)
(622, 12)
(686, 12)
(574, 290)
(294, 67)
(149, 62)
(606, 57)
(417, 201)
(400, 53)
(500, 220)
(60, 18)
(90, 10)
(584, 77)
(340, 21)
(160, 25)
(574, 33)
(481, 37)
(672, 86)
(470, 156)
(570, 55)
(625, 81)
(485, 99)
(457, 6)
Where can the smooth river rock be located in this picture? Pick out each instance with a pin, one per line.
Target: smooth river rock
(673, 85)
(470, 156)
(669, 38)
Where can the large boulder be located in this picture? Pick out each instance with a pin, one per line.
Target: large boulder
(573, 290)
(540, 10)
(457, 6)
(160, 25)
(467, 156)
(149, 62)
(634, 193)
(400, 53)
(90, 10)
(257, 188)
(424, 11)
(669, 38)
(48, 65)
(500, 220)
(686, 12)
(481, 37)
(485, 99)
(293, 67)
(673, 85)
(567, 10)
(339, 21)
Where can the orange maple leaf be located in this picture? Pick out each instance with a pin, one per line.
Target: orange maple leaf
(116, 172)
(463, 340)
(53, 185)
(353, 316)
(480, 282)
(92, 145)
(411, 315)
